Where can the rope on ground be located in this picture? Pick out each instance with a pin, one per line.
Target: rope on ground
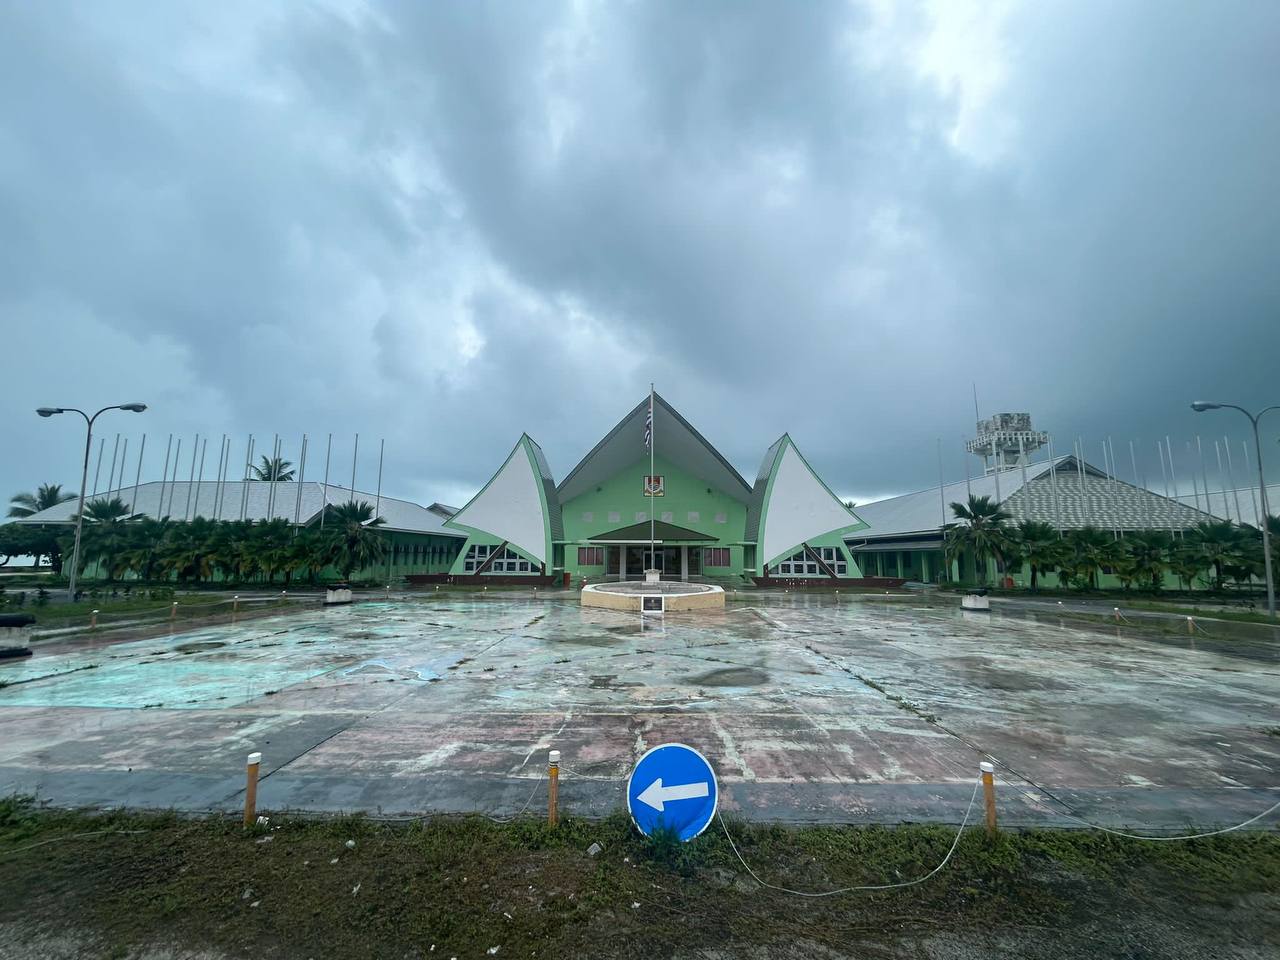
(70, 836)
(1071, 814)
(861, 887)
(587, 776)
(517, 814)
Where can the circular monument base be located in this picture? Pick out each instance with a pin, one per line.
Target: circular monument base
(668, 596)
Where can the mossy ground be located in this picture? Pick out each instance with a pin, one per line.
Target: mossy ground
(467, 884)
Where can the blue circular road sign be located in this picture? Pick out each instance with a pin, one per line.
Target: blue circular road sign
(672, 786)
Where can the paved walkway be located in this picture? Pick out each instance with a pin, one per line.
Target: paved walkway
(811, 707)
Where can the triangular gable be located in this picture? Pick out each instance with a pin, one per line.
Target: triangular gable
(675, 440)
(518, 504)
(791, 505)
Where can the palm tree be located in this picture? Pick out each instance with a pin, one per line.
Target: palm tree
(105, 538)
(47, 495)
(1092, 549)
(1220, 544)
(981, 531)
(355, 541)
(272, 468)
(104, 510)
(1149, 555)
(1039, 546)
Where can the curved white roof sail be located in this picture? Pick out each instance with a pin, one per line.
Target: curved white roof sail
(675, 440)
(791, 505)
(517, 505)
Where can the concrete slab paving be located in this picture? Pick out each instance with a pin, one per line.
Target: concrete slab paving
(812, 708)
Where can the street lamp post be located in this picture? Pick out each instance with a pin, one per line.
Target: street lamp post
(1200, 406)
(84, 475)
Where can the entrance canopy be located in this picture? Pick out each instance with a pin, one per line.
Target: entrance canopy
(662, 532)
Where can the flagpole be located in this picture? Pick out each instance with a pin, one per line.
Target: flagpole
(651, 491)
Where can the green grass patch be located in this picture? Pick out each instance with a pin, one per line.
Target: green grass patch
(295, 889)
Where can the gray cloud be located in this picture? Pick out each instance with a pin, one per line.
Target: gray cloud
(445, 224)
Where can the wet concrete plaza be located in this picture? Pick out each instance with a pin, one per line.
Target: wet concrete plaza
(811, 708)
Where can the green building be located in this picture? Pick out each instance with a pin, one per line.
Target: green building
(690, 515)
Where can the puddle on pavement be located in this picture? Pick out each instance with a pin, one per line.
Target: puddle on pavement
(200, 646)
(731, 677)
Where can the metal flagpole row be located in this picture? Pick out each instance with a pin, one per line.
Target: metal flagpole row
(1253, 494)
(302, 468)
(1109, 468)
(652, 563)
(1222, 482)
(137, 479)
(98, 469)
(195, 448)
(204, 445)
(1053, 485)
(355, 452)
(164, 478)
(118, 485)
(177, 455)
(324, 499)
(382, 446)
(111, 474)
(244, 481)
(942, 499)
(1231, 475)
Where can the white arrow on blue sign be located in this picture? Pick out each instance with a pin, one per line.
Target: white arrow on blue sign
(672, 787)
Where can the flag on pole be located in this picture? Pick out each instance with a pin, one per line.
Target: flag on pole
(648, 425)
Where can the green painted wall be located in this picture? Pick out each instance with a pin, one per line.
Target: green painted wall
(623, 494)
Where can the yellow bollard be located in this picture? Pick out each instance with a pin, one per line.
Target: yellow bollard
(93, 620)
(251, 789)
(553, 787)
(989, 795)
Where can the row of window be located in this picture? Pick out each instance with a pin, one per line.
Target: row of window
(591, 556)
(698, 557)
(803, 565)
(667, 516)
(402, 553)
(506, 562)
(715, 556)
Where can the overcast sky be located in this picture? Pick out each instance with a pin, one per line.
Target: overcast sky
(447, 223)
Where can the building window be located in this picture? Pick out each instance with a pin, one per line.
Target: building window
(477, 554)
(641, 516)
(591, 556)
(615, 516)
(721, 518)
(507, 562)
(588, 517)
(693, 516)
(715, 556)
(667, 516)
(802, 564)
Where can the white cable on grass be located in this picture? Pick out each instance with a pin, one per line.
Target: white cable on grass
(71, 836)
(522, 809)
(879, 886)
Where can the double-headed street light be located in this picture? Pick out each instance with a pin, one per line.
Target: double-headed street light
(1200, 406)
(84, 474)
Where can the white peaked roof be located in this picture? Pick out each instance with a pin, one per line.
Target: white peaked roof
(517, 505)
(674, 440)
(790, 505)
(251, 500)
(1068, 501)
(927, 511)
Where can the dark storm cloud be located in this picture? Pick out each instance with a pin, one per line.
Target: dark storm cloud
(447, 223)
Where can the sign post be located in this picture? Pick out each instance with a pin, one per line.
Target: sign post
(672, 787)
